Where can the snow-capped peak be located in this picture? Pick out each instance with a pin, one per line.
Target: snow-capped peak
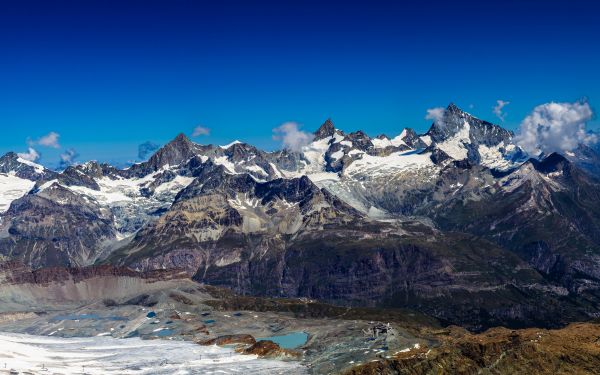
(38, 168)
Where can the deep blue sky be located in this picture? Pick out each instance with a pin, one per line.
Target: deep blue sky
(109, 75)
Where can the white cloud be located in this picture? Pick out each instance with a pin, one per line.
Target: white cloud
(556, 127)
(500, 104)
(31, 155)
(200, 130)
(49, 140)
(68, 158)
(437, 115)
(291, 137)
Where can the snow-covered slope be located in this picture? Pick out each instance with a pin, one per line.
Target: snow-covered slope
(11, 188)
(131, 199)
(106, 355)
(17, 178)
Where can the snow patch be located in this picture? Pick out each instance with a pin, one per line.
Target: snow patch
(426, 139)
(381, 142)
(314, 155)
(493, 158)
(257, 169)
(224, 161)
(455, 145)
(11, 188)
(338, 154)
(398, 161)
(323, 176)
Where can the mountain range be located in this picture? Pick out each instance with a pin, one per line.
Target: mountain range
(459, 223)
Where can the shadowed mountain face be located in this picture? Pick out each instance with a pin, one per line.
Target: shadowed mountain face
(459, 222)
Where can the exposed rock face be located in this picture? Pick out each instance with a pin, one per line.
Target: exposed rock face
(327, 129)
(55, 228)
(14, 272)
(24, 289)
(546, 213)
(479, 132)
(11, 163)
(175, 152)
(224, 209)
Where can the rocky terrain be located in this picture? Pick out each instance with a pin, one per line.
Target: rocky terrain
(570, 350)
(458, 223)
(97, 307)
(107, 301)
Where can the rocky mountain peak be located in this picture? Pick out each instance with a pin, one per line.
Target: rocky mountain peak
(455, 120)
(12, 163)
(181, 139)
(175, 152)
(181, 144)
(453, 108)
(554, 162)
(360, 140)
(325, 130)
(412, 139)
(240, 151)
(8, 156)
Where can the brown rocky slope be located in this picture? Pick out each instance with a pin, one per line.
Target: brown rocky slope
(574, 349)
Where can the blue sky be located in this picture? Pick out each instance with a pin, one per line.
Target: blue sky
(109, 75)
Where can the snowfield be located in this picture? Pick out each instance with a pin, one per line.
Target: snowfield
(11, 188)
(107, 355)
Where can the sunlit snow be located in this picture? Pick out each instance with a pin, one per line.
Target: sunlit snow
(11, 188)
(107, 355)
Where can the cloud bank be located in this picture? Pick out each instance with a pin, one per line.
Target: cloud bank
(556, 127)
(30, 155)
(49, 140)
(291, 137)
(146, 149)
(498, 109)
(200, 130)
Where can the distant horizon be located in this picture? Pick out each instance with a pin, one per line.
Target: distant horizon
(203, 139)
(107, 76)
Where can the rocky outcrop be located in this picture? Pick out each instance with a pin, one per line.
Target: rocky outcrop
(327, 129)
(269, 349)
(241, 339)
(12, 163)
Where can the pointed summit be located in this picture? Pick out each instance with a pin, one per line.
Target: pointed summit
(455, 122)
(11, 162)
(181, 143)
(175, 152)
(454, 108)
(181, 139)
(325, 130)
(8, 157)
